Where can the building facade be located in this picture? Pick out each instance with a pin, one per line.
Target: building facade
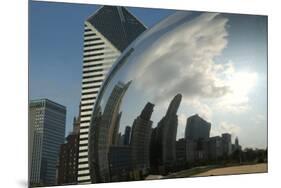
(181, 153)
(46, 134)
(127, 135)
(120, 162)
(196, 128)
(68, 157)
(215, 148)
(103, 132)
(106, 35)
(140, 140)
(226, 144)
(163, 146)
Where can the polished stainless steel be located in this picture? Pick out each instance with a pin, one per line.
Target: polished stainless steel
(131, 85)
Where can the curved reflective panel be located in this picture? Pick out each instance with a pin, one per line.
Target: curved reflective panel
(135, 119)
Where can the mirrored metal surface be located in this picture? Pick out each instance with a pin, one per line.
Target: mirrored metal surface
(140, 98)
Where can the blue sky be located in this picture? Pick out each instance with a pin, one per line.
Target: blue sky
(55, 66)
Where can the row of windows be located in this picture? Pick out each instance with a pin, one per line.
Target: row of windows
(91, 92)
(91, 87)
(83, 133)
(83, 150)
(86, 110)
(84, 127)
(95, 70)
(85, 121)
(91, 39)
(88, 98)
(84, 156)
(94, 65)
(86, 115)
(87, 29)
(92, 76)
(93, 55)
(93, 60)
(82, 139)
(85, 168)
(89, 34)
(81, 145)
(89, 103)
(95, 44)
(96, 49)
(84, 181)
(94, 81)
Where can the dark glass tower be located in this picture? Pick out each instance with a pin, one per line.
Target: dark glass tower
(127, 135)
(197, 128)
(164, 142)
(140, 140)
(46, 130)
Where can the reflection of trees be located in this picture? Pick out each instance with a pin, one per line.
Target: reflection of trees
(155, 150)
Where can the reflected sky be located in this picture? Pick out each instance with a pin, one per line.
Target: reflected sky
(218, 75)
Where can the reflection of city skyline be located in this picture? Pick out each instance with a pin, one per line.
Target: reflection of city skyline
(146, 149)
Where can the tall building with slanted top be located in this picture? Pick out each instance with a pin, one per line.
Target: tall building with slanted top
(106, 35)
(103, 132)
(163, 141)
(140, 140)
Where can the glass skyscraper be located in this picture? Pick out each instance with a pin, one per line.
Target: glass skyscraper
(106, 35)
(46, 134)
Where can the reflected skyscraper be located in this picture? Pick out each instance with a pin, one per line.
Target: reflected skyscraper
(226, 142)
(164, 142)
(140, 140)
(127, 135)
(103, 132)
(197, 128)
(115, 134)
(106, 35)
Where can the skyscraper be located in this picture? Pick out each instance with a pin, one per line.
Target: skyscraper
(46, 130)
(164, 143)
(68, 157)
(104, 132)
(106, 35)
(197, 128)
(140, 140)
(226, 144)
(127, 135)
(115, 135)
(236, 145)
(215, 148)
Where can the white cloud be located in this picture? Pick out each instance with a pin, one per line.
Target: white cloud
(181, 61)
(260, 119)
(240, 84)
(200, 108)
(225, 127)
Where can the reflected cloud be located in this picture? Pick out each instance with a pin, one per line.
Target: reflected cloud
(185, 53)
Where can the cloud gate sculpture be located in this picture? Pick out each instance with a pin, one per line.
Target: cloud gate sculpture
(134, 124)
